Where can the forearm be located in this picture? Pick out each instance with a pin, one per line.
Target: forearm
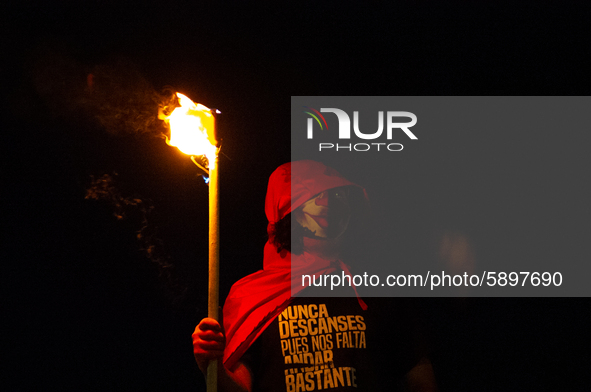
(421, 378)
(239, 380)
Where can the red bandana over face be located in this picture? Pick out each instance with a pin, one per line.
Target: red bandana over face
(255, 300)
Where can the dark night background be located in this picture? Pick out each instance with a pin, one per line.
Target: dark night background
(88, 310)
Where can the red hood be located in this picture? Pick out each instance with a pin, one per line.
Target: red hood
(255, 301)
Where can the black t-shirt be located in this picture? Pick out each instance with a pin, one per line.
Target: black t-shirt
(333, 344)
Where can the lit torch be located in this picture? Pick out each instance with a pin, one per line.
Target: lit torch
(192, 130)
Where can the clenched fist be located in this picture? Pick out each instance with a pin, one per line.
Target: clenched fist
(209, 342)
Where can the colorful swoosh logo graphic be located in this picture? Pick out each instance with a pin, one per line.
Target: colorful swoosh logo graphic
(315, 117)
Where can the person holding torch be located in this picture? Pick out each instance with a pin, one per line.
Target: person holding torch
(273, 339)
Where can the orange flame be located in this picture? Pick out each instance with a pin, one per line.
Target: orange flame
(192, 129)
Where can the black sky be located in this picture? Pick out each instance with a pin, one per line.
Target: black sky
(91, 312)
